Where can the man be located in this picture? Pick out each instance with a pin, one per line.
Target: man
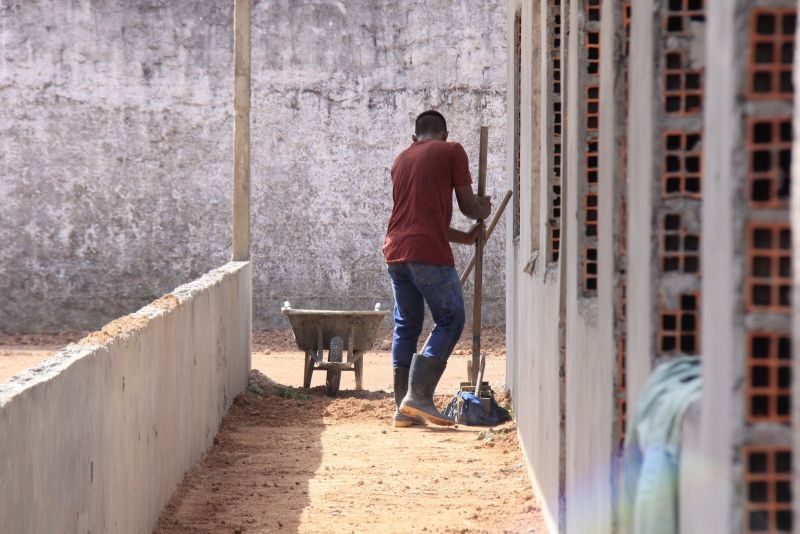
(421, 264)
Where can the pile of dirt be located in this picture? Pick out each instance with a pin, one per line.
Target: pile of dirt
(270, 404)
(273, 340)
(493, 342)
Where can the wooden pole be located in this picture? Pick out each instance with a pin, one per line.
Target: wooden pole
(241, 130)
(478, 284)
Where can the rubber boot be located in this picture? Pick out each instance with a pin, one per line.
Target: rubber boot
(423, 376)
(400, 389)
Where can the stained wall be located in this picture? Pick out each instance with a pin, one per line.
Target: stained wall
(115, 132)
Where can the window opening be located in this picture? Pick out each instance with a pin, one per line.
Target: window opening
(769, 268)
(680, 329)
(769, 149)
(768, 493)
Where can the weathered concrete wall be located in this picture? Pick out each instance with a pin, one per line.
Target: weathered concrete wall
(115, 120)
(533, 290)
(97, 438)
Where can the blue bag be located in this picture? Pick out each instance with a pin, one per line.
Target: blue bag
(466, 408)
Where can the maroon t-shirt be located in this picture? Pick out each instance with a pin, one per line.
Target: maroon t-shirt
(423, 178)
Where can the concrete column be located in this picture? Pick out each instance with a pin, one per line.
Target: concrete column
(613, 228)
(589, 373)
(513, 31)
(241, 131)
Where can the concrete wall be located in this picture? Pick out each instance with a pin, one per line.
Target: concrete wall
(534, 362)
(97, 438)
(115, 124)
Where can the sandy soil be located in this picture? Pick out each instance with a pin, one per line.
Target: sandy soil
(317, 464)
(19, 352)
(292, 461)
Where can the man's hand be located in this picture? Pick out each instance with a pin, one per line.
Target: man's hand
(475, 231)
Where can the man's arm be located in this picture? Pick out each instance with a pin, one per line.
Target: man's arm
(471, 205)
(464, 238)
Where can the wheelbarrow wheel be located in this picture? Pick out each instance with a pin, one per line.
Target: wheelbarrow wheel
(334, 376)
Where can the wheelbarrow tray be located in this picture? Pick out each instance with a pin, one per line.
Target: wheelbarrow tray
(307, 323)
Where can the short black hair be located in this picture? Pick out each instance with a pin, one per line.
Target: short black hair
(430, 122)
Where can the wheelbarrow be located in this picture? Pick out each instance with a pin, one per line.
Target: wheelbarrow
(316, 331)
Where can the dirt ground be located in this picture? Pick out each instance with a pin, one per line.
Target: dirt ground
(23, 351)
(317, 464)
(289, 460)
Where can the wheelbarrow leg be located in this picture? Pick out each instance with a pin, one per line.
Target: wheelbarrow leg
(358, 365)
(309, 370)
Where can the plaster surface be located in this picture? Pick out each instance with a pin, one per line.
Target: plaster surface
(97, 438)
(116, 134)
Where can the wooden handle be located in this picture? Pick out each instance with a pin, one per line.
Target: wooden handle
(477, 299)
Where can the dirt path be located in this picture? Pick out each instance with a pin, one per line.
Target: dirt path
(337, 465)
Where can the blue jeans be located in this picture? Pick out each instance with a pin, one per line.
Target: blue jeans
(413, 285)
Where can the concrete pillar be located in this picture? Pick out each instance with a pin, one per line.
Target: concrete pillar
(241, 131)
(589, 373)
(665, 132)
(615, 25)
(513, 123)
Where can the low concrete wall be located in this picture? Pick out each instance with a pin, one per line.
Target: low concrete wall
(97, 438)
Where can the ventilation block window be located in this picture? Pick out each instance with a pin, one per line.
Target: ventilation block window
(680, 250)
(517, 119)
(590, 208)
(768, 492)
(593, 52)
(682, 164)
(769, 268)
(769, 377)
(592, 161)
(680, 329)
(626, 22)
(593, 10)
(590, 269)
(683, 92)
(769, 150)
(771, 53)
(555, 242)
(681, 13)
(593, 108)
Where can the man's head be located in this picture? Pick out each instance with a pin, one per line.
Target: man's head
(430, 125)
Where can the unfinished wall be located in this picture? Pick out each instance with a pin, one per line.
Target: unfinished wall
(116, 140)
(98, 437)
(535, 336)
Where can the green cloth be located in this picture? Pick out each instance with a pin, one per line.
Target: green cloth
(651, 458)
